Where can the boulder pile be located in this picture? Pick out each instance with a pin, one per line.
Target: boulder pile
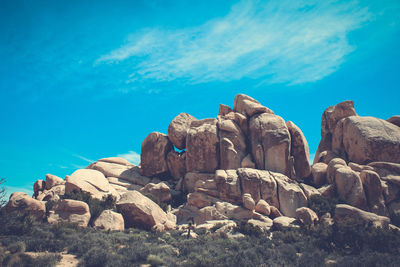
(248, 164)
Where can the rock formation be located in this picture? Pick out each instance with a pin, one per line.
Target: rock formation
(248, 164)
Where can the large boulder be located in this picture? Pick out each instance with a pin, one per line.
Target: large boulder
(228, 186)
(109, 220)
(306, 216)
(161, 191)
(177, 129)
(248, 202)
(367, 139)
(291, 196)
(345, 212)
(202, 145)
(232, 144)
(22, 202)
(71, 211)
(140, 211)
(319, 172)
(38, 187)
(155, 148)
(270, 143)
(191, 178)
(299, 150)
(374, 192)
(53, 193)
(176, 164)
(248, 106)
(90, 181)
(349, 187)
(394, 120)
(127, 172)
(52, 180)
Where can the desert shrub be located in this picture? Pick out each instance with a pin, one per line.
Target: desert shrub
(322, 205)
(154, 260)
(248, 229)
(3, 199)
(17, 247)
(17, 260)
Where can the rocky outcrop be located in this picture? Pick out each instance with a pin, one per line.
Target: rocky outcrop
(70, 211)
(349, 187)
(306, 216)
(52, 180)
(161, 191)
(299, 151)
(155, 148)
(374, 192)
(291, 196)
(367, 139)
(22, 202)
(178, 128)
(228, 186)
(176, 163)
(394, 120)
(345, 212)
(109, 220)
(140, 211)
(249, 106)
(270, 143)
(90, 181)
(202, 146)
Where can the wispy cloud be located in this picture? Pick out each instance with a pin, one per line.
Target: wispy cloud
(12, 189)
(83, 158)
(131, 156)
(281, 41)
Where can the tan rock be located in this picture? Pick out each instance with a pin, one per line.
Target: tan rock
(333, 114)
(390, 191)
(109, 220)
(233, 211)
(374, 192)
(309, 190)
(191, 178)
(324, 145)
(275, 213)
(208, 225)
(333, 165)
(367, 139)
(345, 212)
(52, 180)
(228, 186)
(90, 181)
(250, 182)
(161, 191)
(120, 182)
(394, 120)
(263, 207)
(264, 226)
(291, 196)
(247, 162)
(319, 173)
(327, 190)
(178, 128)
(52, 194)
(38, 187)
(202, 146)
(22, 202)
(155, 148)
(201, 200)
(248, 202)
(176, 164)
(224, 110)
(116, 160)
(129, 173)
(270, 143)
(70, 211)
(207, 214)
(249, 106)
(327, 156)
(140, 211)
(306, 216)
(349, 187)
(299, 150)
(282, 222)
(208, 187)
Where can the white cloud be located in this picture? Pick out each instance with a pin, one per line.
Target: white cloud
(11, 189)
(280, 41)
(83, 158)
(131, 156)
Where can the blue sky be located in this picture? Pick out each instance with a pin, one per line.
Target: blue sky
(82, 80)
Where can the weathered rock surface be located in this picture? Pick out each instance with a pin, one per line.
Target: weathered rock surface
(282, 222)
(319, 173)
(71, 211)
(52, 180)
(367, 139)
(345, 212)
(202, 146)
(263, 207)
(248, 106)
(140, 211)
(91, 181)
(333, 165)
(109, 220)
(228, 186)
(232, 144)
(177, 129)
(155, 148)
(270, 143)
(191, 178)
(306, 216)
(248, 202)
(161, 191)
(22, 202)
(374, 192)
(38, 187)
(291, 196)
(394, 120)
(52, 194)
(176, 164)
(299, 150)
(349, 187)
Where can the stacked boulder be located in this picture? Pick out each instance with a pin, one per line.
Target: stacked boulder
(248, 164)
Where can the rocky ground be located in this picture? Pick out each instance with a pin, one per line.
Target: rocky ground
(247, 165)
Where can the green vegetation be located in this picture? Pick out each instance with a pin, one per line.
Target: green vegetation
(3, 199)
(343, 245)
(322, 205)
